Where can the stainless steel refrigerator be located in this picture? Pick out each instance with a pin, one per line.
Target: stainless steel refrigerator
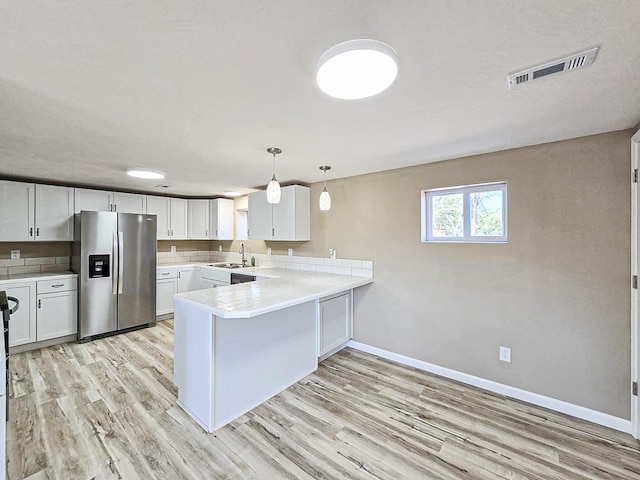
(114, 255)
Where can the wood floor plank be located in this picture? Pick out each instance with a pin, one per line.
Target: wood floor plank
(106, 409)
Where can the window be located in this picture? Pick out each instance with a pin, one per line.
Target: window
(470, 214)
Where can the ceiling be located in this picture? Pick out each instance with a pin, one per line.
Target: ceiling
(200, 89)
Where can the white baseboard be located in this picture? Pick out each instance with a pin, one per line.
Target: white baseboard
(594, 416)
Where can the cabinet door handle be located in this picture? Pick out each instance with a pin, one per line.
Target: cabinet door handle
(111, 207)
(57, 285)
(115, 207)
(273, 232)
(39, 303)
(206, 233)
(31, 232)
(168, 233)
(179, 274)
(38, 232)
(166, 273)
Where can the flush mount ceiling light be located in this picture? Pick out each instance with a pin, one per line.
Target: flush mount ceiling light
(232, 194)
(273, 189)
(325, 198)
(145, 173)
(357, 69)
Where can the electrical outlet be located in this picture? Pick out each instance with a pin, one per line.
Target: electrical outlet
(290, 252)
(505, 354)
(268, 250)
(15, 254)
(332, 253)
(173, 249)
(219, 248)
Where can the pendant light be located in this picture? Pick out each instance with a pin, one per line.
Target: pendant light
(273, 189)
(325, 198)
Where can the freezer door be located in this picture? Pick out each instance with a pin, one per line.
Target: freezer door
(137, 267)
(98, 301)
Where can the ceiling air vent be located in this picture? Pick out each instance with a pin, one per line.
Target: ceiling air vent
(572, 62)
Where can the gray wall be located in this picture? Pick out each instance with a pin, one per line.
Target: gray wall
(557, 293)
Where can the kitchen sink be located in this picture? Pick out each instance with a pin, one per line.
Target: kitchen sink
(225, 265)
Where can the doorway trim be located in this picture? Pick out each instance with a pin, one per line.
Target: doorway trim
(635, 299)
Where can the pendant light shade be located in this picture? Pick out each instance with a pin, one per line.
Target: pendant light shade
(273, 189)
(325, 198)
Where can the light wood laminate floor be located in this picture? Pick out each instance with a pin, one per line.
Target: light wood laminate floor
(106, 409)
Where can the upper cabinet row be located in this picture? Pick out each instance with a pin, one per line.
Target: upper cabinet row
(34, 212)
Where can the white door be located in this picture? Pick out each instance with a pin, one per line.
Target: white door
(178, 219)
(165, 289)
(221, 219)
(17, 211)
(334, 322)
(284, 215)
(94, 200)
(635, 298)
(22, 324)
(260, 216)
(184, 280)
(129, 203)
(198, 219)
(54, 213)
(57, 315)
(161, 207)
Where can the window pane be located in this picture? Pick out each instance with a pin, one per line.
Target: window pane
(486, 214)
(447, 218)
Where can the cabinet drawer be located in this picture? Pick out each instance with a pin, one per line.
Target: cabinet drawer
(167, 272)
(57, 285)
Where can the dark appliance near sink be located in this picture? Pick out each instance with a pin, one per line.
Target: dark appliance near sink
(241, 278)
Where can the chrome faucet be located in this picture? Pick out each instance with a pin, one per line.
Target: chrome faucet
(244, 260)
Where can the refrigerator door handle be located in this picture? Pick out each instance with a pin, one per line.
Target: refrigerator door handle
(114, 260)
(120, 261)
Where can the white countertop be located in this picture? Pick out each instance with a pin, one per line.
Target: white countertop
(28, 277)
(286, 288)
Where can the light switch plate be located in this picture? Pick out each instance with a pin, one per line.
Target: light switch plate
(505, 354)
(15, 254)
(268, 250)
(290, 252)
(173, 248)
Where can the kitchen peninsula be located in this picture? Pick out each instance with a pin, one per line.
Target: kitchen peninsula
(237, 346)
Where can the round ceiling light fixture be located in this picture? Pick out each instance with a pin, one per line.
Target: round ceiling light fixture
(145, 173)
(232, 194)
(357, 69)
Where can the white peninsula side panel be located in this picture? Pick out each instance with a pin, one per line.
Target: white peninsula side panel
(224, 367)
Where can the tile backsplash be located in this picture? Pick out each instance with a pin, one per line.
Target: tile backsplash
(360, 268)
(33, 265)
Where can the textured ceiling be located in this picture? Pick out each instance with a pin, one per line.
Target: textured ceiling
(200, 89)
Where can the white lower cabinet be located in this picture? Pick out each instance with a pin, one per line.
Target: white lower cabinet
(334, 322)
(185, 276)
(22, 325)
(57, 310)
(166, 288)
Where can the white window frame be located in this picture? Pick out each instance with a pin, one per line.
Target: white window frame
(465, 190)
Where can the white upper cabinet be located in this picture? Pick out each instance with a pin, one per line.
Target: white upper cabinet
(161, 207)
(260, 217)
(198, 219)
(221, 219)
(129, 203)
(171, 216)
(54, 213)
(17, 211)
(106, 201)
(178, 219)
(93, 200)
(31, 212)
(284, 221)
